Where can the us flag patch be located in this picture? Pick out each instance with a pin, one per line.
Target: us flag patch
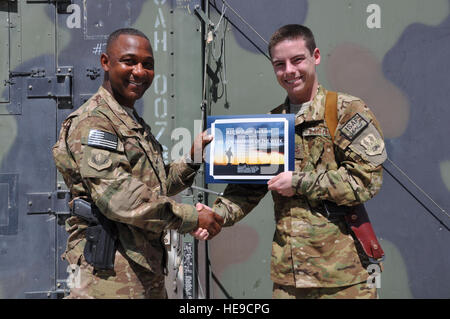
(102, 139)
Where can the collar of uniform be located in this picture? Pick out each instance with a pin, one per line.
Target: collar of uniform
(316, 111)
(118, 110)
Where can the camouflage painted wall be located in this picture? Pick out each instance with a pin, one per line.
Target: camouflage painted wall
(391, 54)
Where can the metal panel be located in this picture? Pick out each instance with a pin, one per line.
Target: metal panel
(27, 132)
(4, 50)
(8, 204)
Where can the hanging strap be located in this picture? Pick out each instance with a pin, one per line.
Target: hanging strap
(356, 216)
(331, 115)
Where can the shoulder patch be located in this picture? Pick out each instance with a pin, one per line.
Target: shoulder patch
(354, 126)
(370, 146)
(99, 159)
(101, 139)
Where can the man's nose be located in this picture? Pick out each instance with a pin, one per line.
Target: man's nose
(289, 67)
(139, 70)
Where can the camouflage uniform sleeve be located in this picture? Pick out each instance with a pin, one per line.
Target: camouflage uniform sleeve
(238, 200)
(180, 175)
(120, 196)
(359, 151)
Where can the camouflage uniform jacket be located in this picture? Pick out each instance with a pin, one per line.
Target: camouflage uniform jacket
(309, 249)
(127, 181)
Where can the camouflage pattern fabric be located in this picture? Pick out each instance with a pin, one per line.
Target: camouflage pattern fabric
(122, 172)
(128, 280)
(358, 291)
(309, 249)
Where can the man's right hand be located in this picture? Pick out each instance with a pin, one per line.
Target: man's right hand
(209, 220)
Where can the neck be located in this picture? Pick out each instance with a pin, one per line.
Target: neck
(307, 96)
(107, 86)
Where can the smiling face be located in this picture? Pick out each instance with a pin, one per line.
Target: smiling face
(129, 68)
(295, 69)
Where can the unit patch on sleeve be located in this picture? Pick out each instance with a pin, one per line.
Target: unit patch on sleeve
(99, 159)
(101, 139)
(354, 126)
(370, 146)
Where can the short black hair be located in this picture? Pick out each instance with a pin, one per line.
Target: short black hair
(293, 31)
(128, 31)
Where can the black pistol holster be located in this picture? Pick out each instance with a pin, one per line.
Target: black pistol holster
(101, 235)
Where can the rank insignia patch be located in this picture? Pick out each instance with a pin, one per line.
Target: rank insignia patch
(354, 126)
(102, 139)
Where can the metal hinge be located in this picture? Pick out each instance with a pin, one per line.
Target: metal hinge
(55, 203)
(93, 73)
(35, 73)
(51, 294)
(58, 86)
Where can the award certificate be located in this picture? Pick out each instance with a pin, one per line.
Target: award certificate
(249, 148)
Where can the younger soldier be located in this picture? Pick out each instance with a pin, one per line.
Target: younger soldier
(119, 184)
(313, 254)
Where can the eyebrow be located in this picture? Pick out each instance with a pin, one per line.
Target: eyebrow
(132, 55)
(301, 55)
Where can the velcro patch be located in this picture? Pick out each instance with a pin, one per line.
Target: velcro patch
(99, 159)
(370, 146)
(316, 131)
(101, 139)
(354, 126)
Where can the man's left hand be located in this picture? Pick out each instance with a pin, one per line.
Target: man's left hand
(282, 184)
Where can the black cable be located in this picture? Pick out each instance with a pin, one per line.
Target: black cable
(241, 32)
(222, 288)
(415, 197)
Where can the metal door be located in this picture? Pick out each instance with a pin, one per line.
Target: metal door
(48, 68)
(28, 130)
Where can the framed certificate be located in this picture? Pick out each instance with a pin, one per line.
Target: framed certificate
(249, 148)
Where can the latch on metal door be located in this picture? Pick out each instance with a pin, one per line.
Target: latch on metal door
(58, 86)
(56, 203)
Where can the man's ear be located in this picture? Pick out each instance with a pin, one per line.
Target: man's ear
(104, 61)
(316, 55)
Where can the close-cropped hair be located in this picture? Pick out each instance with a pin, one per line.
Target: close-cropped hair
(290, 32)
(128, 31)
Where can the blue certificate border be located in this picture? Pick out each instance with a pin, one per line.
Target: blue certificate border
(257, 119)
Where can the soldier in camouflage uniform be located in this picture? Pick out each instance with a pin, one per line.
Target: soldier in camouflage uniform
(109, 157)
(315, 256)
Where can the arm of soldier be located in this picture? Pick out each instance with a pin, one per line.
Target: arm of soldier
(360, 151)
(181, 173)
(237, 201)
(120, 196)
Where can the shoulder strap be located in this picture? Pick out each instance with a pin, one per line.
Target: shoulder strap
(331, 115)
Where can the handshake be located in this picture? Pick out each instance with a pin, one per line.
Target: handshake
(209, 223)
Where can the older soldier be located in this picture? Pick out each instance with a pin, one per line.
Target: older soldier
(313, 254)
(119, 184)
